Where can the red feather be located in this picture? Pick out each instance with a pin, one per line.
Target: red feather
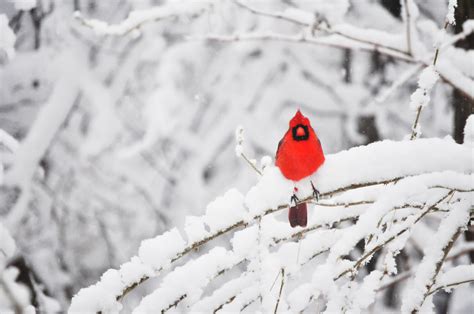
(299, 155)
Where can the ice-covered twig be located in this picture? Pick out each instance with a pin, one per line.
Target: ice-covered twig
(281, 289)
(329, 41)
(454, 254)
(420, 98)
(307, 19)
(137, 19)
(239, 149)
(276, 15)
(407, 18)
(8, 141)
(435, 255)
(456, 276)
(368, 254)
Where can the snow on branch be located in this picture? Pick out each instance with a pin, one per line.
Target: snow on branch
(451, 8)
(32, 149)
(425, 181)
(7, 39)
(13, 296)
(137, 19)
(345, 36)
(454, 277)
(427, 272)
(421, 97)
(239, 150)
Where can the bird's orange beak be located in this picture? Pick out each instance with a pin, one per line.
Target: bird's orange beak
(300, 131)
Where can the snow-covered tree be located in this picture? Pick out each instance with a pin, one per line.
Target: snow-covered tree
(125, 115)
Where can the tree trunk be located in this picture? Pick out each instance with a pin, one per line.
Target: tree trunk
(463, 107)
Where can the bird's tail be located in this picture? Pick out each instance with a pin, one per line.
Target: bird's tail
(298, 215)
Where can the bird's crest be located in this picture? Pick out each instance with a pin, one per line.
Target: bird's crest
(299, 118)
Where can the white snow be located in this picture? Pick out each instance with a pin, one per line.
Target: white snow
(271, 191)
(24, 4)
(451, 8)
(458, 274)
(7, 39)
(421, 96)
(468, 26)
(415, 295)
(187, 280)
(159, 251)
(139, 17)
(225, 210)
(469, 131)
(7, 245)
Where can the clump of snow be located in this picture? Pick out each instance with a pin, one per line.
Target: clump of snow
(187, 280)
(468, 26)
(421, 97)
(133, 271)
(225, 210)
(7, 39)
(272, 190)
(265, 162)
(195, 228)
(93, 299)
(388, 159)
(469, 131)
(451, 8)
(243, 242)
(159, 251)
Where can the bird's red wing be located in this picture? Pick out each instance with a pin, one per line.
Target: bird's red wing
(278, 148)
(280, 144)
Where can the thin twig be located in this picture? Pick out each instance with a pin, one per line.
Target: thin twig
(414, 133)
(405, 275)
(408, 27)
(281, 289)
(438, 268)
(449, 285)
(368, 254)
(251, 164)
(282, 16)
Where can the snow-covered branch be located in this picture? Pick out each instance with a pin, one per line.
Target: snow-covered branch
(262, 203)
(449, 230)
(137, 19)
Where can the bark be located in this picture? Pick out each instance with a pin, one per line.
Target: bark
(463, 107)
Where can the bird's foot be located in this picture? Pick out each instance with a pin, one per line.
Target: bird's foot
(316, 193)
(295, 199)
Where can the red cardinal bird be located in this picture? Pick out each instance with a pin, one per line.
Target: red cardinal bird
(298, 156)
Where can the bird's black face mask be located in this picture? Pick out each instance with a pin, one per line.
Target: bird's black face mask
(298, 135)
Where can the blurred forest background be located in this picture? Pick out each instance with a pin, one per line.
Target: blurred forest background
(149, 136)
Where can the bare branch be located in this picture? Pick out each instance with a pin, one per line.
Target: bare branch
(408, 26)
(137, 19)
(281, 289)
